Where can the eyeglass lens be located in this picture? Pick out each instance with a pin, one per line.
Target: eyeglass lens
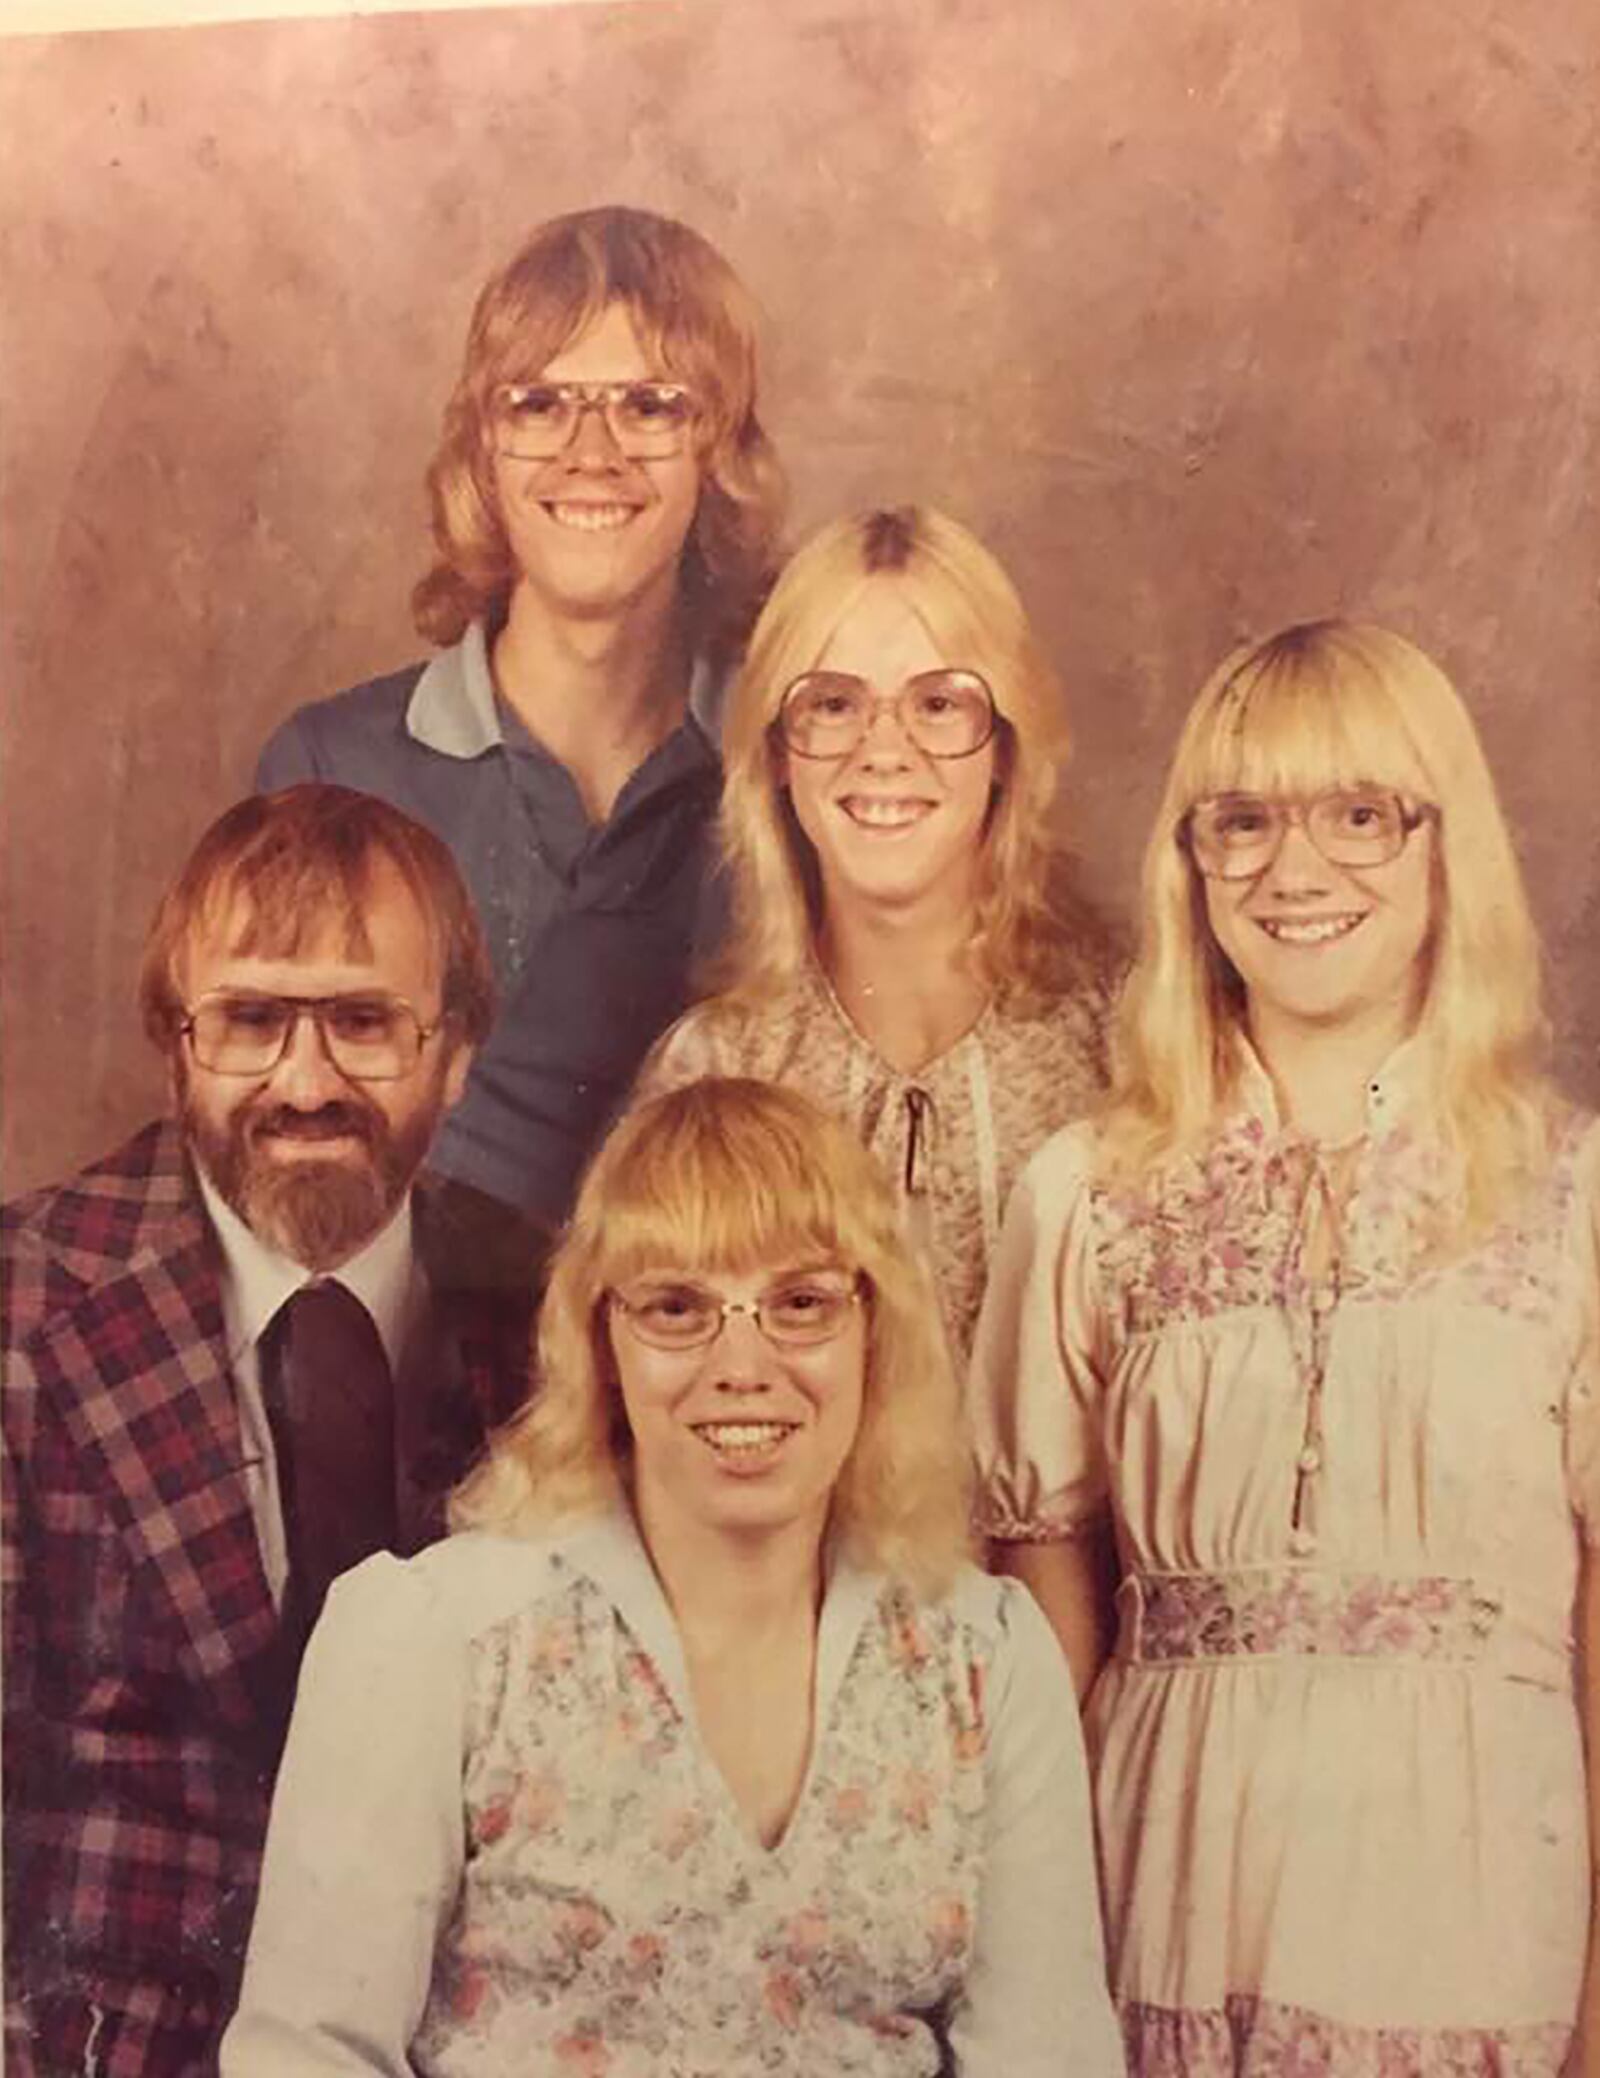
(1237, 835)
(687, 1316)
(370, 1038)
(535, 421)
(946, 713)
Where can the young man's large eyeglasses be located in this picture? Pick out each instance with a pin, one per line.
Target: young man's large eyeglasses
(1237, 836)
(945, 713)
(369, 1037)
(796, 1313)
(536, 421)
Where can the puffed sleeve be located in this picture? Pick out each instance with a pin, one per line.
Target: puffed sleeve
(1583, 1387)
(1039, 1355)
(365, 1848)
(1035, 2003)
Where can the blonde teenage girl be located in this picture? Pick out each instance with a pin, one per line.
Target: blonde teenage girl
(1308, 1319)
(906, 945)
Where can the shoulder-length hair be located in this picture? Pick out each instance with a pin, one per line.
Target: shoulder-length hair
(1033, 935)
(694, 315)
(1326, 704)
(729, 1175)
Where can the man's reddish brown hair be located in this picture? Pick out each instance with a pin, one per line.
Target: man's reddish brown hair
(293, 861)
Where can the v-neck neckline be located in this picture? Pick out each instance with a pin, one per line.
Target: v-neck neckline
(610, 1551)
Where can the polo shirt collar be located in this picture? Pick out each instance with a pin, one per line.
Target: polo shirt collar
(453, 708)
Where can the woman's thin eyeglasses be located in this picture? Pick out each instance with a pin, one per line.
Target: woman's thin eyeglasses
(795, 1313)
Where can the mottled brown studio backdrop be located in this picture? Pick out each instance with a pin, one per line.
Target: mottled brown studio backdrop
(1206, 313)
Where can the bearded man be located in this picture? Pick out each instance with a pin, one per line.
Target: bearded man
(228, 1377)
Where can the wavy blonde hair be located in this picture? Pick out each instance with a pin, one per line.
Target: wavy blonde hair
(1034, 936)
(694, 316)
(1336, 703)
(732, 1176)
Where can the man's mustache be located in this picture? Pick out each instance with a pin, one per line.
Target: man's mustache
(327, 1122)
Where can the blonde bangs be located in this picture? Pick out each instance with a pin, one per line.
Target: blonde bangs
(1298, 718)
(733, 1176)
(1326, 704)
(725, 1195)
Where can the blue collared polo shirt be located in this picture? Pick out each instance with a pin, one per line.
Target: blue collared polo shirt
(592, 929)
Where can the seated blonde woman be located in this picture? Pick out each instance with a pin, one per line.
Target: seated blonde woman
(703, 1751)
(906, 947)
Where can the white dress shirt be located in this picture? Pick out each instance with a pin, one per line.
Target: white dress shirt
(256, 1281)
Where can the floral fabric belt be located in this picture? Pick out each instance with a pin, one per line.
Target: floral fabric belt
(1304, 1611)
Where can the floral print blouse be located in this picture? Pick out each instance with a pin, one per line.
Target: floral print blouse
(952, 1136)
(499, 1845)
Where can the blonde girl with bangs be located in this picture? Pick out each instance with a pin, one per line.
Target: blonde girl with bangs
(907, 945)
(1304, 1327)
(703, 1747)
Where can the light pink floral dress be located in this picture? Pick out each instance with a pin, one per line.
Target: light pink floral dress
(952, 1136)
(499, 1848)
(1338, 1775)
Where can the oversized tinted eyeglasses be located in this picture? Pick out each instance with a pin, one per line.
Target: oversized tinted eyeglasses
(1237, 836)
(369, 1037)
(535, 421)
(945, 713)
(795, 1313)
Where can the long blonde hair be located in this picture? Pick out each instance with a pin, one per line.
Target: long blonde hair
(731, 1175)
(1034, 935)
(1333, 703)
(689, 309)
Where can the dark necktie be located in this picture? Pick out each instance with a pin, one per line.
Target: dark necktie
(330, 1406)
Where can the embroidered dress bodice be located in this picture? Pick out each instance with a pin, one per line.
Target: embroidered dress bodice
(1349, 1472)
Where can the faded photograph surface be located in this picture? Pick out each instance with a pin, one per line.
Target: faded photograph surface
(852, 584)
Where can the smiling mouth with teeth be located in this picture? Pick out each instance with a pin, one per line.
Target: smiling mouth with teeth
(1308, 930)
(744, 1438)
(877, 814)
(588, 519)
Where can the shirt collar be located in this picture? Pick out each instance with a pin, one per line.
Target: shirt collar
(257, 1279)
(1391, 1092)
(608, 1548)
(453, 708)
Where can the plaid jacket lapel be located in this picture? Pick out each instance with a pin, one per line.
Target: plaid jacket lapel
(138, 1369)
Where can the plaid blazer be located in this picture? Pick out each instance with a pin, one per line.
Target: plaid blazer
(145, 1692)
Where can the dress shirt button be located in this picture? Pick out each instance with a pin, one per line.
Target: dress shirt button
(1310, 1459)
(1302, 1542)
